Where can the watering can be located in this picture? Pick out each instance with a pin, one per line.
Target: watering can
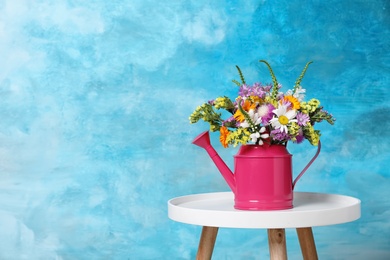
(262, 178)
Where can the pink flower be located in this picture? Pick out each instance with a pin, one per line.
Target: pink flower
(265, 112)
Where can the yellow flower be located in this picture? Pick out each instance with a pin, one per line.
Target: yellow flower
(306, 108)
(224, 133)
(314, 103)
(223, 102)
(294, 102)
(293, 129)
(240, 136)
(310, 107)
(246, 106)
(312, 135)
(256, 99)
(271, 101)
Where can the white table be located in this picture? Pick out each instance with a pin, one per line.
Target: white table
(215, 210)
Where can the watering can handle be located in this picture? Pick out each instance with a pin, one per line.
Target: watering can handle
(308, 165)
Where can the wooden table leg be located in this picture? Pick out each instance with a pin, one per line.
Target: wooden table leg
(306, 240)
(277, 244)
(206, 243)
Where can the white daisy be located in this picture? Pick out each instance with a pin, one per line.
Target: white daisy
(283, 118)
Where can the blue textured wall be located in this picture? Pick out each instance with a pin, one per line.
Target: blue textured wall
(94, 132)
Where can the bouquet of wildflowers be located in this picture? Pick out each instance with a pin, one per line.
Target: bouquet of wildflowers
(262, 114)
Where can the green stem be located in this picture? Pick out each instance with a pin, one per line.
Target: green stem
(275, 88)
(247, 117)
(241, 75)
(298, 81)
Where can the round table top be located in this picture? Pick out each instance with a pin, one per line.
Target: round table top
(310, 209)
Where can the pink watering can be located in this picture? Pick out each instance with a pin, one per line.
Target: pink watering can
(262, 178)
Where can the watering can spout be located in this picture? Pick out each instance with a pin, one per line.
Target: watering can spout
(203, 140)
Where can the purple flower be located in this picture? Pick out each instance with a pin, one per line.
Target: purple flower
(267, 88)
(255, 90)
(300, 137)
(258, 90)
(302, 118)
(279, 136)
(244, 91)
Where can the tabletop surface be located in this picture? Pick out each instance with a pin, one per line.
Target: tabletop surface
(310, 209)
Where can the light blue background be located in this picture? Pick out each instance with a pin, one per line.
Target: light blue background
(94, 132)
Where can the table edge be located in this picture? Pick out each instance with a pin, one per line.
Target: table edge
(249, 219)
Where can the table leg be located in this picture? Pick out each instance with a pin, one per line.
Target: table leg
(206, 243)
(306, 240)
(277, 244)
